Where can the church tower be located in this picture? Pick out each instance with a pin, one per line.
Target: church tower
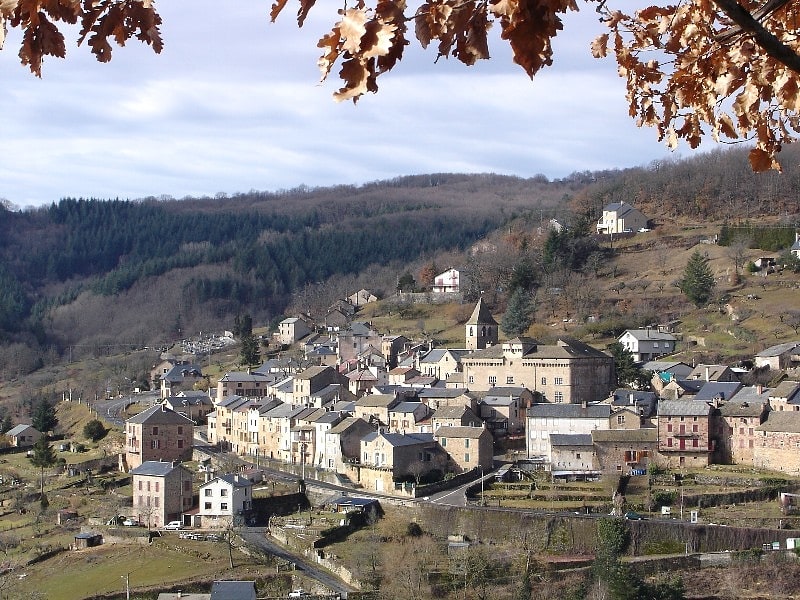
(481, 328)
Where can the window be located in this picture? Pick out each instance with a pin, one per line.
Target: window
(180, 429)
(156, 501)
(466, 457)
(157, 486)
(492, 380)
(544, 380)
(466, 443)
(559, 381)
(620, 419)
(471, 379)
(155, 430)
(180, 444)
(695, 443)
(208, 492)
(510, 379)
(669, 427)
(669, 442)
(187, 485)
(694, 428)
(207, 505)
(223, 506)
(443, 441)
(577, 455)
(140, 485)
(155, 444)
(558, 397)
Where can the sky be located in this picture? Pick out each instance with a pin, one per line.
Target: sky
(234, 103)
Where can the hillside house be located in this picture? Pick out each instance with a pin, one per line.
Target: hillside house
(777, 444)
(455, 416)
(407, 417)
(248, 385)
(713, 373)
(795, 249)
(157, 433)
(312, 380)
(647, 344)
(786, 396)
(503, 409)
(392, 347)
(447, 282)
(440, 362)
(362, 297)
(438, 397)
(179, 378)
(162, 492)
(194, 405)
(779, 357)
(292, 330)
(354, 340)
(620, 217)
(398, 456)
(23, 435)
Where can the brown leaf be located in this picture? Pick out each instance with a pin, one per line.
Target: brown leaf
(355, 74)
(332, 43)
(599, 46)
(276, 9)
(761, 160)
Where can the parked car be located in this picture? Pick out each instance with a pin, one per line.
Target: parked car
(174, 525)
(131, 522)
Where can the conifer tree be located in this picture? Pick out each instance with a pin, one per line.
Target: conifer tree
(698, 280)
(519, 314)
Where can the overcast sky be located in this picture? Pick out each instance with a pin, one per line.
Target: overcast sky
(234, 103)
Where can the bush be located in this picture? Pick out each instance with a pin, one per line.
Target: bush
(94, 430)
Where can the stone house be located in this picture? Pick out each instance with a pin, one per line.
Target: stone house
(740, 418)
(686, 434)
(572, 456)
(162, 492)
(626, 451)
(779, 357)
(375, 408)
(392, 346)
(312, 380)
(713, 373)
(440, 362)
(362, 297)
(777, 445)
(238, 383)
(568, 371)
(786, 397)
(354, 340)
(455, 416)
(405, 417)
(342, 444)
(503, 409)
(400, 456)
(157, 433)
(467, 447)
(180, 377)
(193, 405)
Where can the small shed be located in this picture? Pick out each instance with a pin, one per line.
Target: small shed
(63, 516)
(87, 540)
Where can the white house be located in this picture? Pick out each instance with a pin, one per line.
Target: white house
(621, 217)
(544, 420)
(292, 329)
(449, 281)
(647, 344)
(795, 249)
(224, 498)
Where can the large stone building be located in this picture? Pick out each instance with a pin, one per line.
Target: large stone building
(157, 433)
(567, 372)
(481, 328)
(162, 492)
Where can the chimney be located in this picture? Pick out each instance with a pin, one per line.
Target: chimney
(759, 389)
(708, 371)
(631, 398)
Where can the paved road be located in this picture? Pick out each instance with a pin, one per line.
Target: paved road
(256, 537)
(112, 410)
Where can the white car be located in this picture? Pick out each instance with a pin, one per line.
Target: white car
(131, 522)
(173, 525)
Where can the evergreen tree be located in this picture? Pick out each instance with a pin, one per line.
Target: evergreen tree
(698, 280)
(250, 353)
(519, 313)
(627, 373)
(406, 283)
(43, 416)
(43, 457)
(94, 430)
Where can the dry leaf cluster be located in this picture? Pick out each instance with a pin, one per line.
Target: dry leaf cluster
(720, 67)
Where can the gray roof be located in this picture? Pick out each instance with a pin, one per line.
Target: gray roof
(683, 408)
(782, 421)
(242, 376)
(347, 423)
(399, 439)
(778, 349)
(435, 355)
(406, 407)
(569, 411)
(660, 366)
(649, 334)
(563, 348)
(233, 479)
(718, 389)
(452, 412)
(19, 429)
(160, 415)
(438, 392)
(154, 468)
(481, 315)
(741, 408)
(647, 434)
(233, 590)
(446, 431)
(499, 391)
(329, 417)
(786, 389)
(570, 439)
(377, 400)
(621, 208)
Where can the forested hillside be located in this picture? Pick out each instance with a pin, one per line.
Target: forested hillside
(90, 273)
(80, 276)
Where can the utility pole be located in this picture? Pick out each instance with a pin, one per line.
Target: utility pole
(127, 586)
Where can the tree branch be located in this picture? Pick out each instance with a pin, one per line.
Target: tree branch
(746, 22)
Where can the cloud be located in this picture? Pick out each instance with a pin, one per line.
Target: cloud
(234, 104)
